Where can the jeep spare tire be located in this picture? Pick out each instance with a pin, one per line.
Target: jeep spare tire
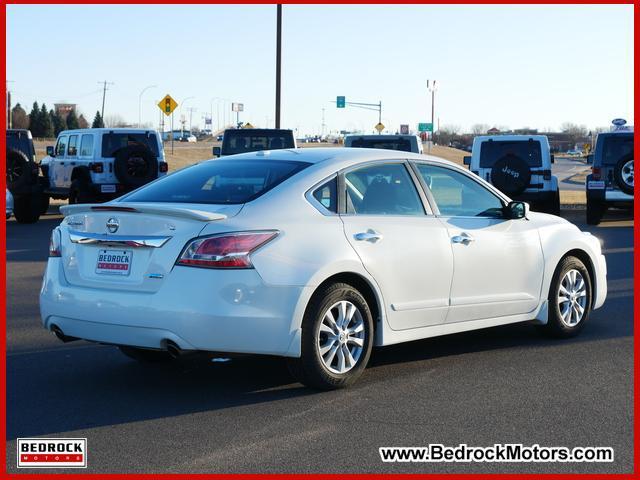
(623, 174)
(135, 166)
(511, 174)
(18, 171)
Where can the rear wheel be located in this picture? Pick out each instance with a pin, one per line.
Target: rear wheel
(337, 337)
(18, 169)
(44, 203)
(26, 208)
(595, 212)
(79, 192)
(570, 296)
(144, 355)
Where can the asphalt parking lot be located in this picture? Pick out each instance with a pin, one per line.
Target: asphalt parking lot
(500, 385)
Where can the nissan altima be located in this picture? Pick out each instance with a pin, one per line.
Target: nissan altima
(316, 255)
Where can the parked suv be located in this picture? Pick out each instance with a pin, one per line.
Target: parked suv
(100, 164)
(403, 143)
(243, 140)
(518, 165)
(610, 183)
(23, 183)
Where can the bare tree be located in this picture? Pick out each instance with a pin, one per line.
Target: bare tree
(573, 131)
(114, 121)
(447, 134)
(479, 128)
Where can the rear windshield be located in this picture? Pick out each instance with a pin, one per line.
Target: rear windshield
(528, 150)
(402, 144)
(242, 141)
(112, 142)
(218, 182)
(615, 147)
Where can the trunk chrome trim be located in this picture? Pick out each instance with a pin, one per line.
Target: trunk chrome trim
(136, 241)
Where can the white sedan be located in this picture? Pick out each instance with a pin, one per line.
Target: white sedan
(316, 255)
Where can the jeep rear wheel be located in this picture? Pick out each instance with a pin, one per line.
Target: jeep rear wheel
(595, 211)
(79, 192)
(18, 172)
(26, 208)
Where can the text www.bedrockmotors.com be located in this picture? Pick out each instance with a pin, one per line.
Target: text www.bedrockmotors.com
(512, 452)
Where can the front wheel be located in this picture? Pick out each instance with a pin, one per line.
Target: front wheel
(337, 337)
(570, 296)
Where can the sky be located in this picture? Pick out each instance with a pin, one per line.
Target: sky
(517, 66)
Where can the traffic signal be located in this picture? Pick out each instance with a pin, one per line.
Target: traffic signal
(167, 105)
(340, 102)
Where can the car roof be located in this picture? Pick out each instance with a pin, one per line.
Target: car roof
(258, 130)
(510, 137)
(335, 155)
(109, 130)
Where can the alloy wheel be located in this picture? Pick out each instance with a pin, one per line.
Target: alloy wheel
(341, 337)
(572, 298)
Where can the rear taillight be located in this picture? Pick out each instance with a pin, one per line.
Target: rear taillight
(229, 250)
(596, 173)
(97, 167)
(163, 167)
(54, 243)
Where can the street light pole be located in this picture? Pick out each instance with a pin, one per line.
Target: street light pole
(140, 104)
(432, 88)
(278, 61)
(182, 105)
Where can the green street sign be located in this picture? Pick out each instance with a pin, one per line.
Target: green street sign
(425, 127)
(341, 102)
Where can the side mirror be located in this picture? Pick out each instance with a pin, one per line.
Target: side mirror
(50, 151)
(217, 151)
(553, 158)
(467, 160)
(516, 210)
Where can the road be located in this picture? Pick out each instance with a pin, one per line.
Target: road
(499, 385)
(571, 172)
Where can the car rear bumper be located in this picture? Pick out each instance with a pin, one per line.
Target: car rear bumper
(197, 309)
(606, 195)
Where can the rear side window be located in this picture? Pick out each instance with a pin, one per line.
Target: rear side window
(86, 146)
(327, 195)
(218, 182)
(493, 150)
(616, 147)
(242, 141)
(112, 142)
(72, 149)
(61, 146)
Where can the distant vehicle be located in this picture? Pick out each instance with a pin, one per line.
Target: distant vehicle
(611, 182)
(243, 140)
(9, 204)
(518, 165)
(403, 143)
(98, 164)
(219, 138)
(22, 178)
(575, 153)
(188, 137)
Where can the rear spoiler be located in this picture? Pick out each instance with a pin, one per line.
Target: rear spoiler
(153, 209)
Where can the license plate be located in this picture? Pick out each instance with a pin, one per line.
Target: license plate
(595, 185)
(108, 188)
(114, 262)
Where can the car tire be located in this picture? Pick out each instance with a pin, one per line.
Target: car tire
(333, 353)
(144, 355)
(554, 204)
(623, 174)
(45, 200)
(595, 212)
(79, 192)
(18, 172)
(570, 295)
(26, 208)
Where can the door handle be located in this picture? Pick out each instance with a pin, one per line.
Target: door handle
(463, 238)
(368, 236)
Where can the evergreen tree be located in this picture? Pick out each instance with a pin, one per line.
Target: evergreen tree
(19, 118)
(45, 122)
(83, 121)
(58, 122)
(72, 121)
(97, 121)
(34, 121)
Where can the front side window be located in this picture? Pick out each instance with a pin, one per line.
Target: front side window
(382, 190)
(86, 146)
(224, 182)
(457, 195)
(61, 146)
(72, 149)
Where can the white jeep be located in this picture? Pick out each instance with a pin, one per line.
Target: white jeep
(99, 164)
(519, 166)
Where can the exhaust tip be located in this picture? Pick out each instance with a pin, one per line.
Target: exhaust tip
(57, 331)
(173, 349)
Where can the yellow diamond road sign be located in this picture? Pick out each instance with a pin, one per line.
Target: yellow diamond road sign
(379, 127)
(167, 105)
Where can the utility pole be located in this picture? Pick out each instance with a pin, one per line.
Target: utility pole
(323, 124)
(9, 116)
(104, 94)
(432, 88)
(191, 110)
(278, 61)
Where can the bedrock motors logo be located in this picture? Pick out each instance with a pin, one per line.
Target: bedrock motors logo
(52, 453)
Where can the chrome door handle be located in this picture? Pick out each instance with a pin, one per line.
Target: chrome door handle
(463, 238)
(368, 236)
